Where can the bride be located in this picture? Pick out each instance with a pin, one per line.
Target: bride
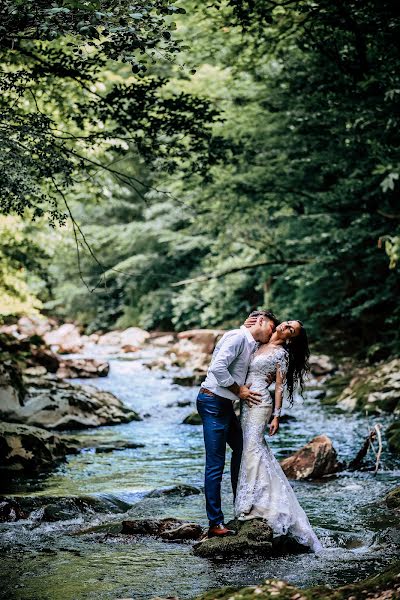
(263, 490)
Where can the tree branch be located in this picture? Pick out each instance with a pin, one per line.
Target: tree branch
(262, 263)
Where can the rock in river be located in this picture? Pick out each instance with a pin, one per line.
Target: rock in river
(28, 449)
(192, 419)
(54, 404)
(393, 498)
(167, 529)
(181, 489)
(82, 367)
(393, 436)
(253, 537)
(314, 460)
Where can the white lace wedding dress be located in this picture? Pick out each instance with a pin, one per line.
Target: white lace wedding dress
(263, 490)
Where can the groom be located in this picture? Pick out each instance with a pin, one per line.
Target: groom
(223, 384)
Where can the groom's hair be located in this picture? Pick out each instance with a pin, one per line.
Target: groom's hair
(268, 314)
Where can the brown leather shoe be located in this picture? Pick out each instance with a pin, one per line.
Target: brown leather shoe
(220, 531)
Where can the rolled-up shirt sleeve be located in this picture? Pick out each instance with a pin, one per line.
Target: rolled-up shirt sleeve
(229, 350)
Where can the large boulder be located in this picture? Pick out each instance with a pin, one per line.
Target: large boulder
(82, 368)
(194, 348)
(374, 390)
(54, 404)
(314, 460)
(28, 449)
(133, 337)
(204, 339)
(65, 339)
(322, 365)
(253, 538)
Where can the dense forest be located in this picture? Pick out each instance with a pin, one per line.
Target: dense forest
(174, 166)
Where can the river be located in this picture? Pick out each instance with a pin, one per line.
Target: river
(63, 561)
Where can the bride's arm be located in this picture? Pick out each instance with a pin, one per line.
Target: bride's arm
(274, 425)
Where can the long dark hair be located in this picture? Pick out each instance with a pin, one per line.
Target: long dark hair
(298, 362)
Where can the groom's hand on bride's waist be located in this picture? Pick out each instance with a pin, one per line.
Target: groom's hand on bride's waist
(245, 393)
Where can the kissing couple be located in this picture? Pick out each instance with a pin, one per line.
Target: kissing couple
(244, 363)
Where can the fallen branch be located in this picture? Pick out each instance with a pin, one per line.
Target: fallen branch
(263, 263)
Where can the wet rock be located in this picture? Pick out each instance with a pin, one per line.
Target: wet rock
(133, 336)
(187, 531)
(28, 449)
(253, 538)
(393, 437)
(76, 445)
(204, 339)
(167, 529)
(34, 325)
(175, 490)
(44, 358)
(61, 405)
(65, 339)
(381, 586)
(392, 499)
(191, 380)
(374, 390)
(129, 348)
(11, 510)
(322, 365)
(316, 394)
(82, 367)
(314, 460)
(65, 509)
(192, 419)
(12, 389)
(161, 340)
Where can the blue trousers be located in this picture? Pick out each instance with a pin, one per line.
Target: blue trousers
(220, 427)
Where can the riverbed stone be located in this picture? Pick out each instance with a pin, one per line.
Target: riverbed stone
(12, 388)
(253, 538)
(192, 419)
(55, 404)
(322, 364)
(99, 445)
(375, 390)
(392, 499)
(169, 529)
(191, 380)
(11, 510)
(393, 437)
(65, 339)
(380, 586)
(28, 449)
(72, 368)
(313, 461)
(180, 489)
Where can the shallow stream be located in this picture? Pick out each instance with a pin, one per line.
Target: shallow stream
(58, 561)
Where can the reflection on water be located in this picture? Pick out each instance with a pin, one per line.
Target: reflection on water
(50, 561)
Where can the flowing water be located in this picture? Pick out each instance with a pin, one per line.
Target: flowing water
(78, 559)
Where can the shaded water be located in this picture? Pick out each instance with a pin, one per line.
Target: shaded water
(51, 561)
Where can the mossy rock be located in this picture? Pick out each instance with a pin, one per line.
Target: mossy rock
(192, 419)
(382, 585)
(393, 498)
(374, 390)
(252, 537)
(393, 437)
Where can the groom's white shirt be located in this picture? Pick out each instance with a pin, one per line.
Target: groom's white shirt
(230, 362)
